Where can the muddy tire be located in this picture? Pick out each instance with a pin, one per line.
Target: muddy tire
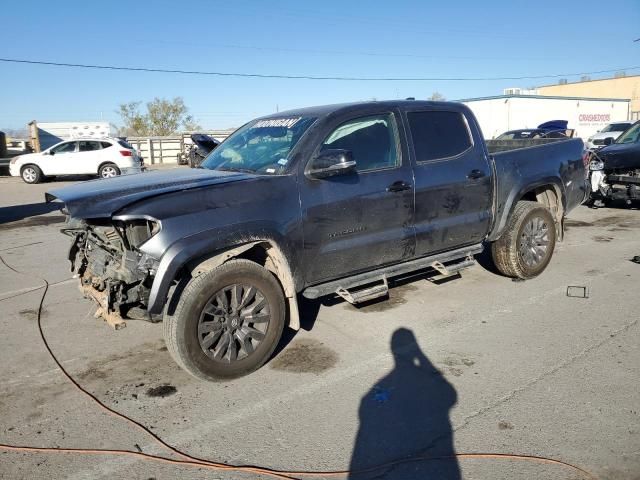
(526, 246)
(227, 322)
(31, 174)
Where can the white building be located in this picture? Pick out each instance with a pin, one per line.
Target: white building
(586, 116)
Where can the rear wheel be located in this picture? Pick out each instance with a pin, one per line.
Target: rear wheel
(109, 170)
(526, 246)
(227, 322)
(31, 174)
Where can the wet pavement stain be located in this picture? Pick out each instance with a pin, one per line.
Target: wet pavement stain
(615, 221)
(32, 313)
(161, 391)
(505, 425)
(602, 239)
(39, 221)
(305, 356)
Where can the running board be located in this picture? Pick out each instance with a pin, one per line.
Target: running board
(464, 255)
(365, 294)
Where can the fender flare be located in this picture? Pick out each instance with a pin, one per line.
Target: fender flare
(200, 254)
(516, 195)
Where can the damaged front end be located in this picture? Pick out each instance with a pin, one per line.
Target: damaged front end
(105, 256)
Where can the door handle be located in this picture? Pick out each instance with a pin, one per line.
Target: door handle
(398, 186)
(475, 174)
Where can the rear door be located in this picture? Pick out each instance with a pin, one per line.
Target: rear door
(453, 179)
(90, 156)
(361, 220)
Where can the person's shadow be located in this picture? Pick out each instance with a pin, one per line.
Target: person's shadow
(406, 415)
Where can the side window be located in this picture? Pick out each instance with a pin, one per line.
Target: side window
(438, 134)
(88, 146)
(105, 144)
(371, 140)
(68, 147)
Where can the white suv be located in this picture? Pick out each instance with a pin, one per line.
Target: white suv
(105, 157)
(613, 131)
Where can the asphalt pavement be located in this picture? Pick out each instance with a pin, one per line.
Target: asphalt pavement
(476, 364)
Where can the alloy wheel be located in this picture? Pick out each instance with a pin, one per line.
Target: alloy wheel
(29, 174)
(233, 323)
(534, 242)
(108, 172)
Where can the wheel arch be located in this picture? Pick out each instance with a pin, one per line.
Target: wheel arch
(264, 251)
(547, 192)
(107, 162)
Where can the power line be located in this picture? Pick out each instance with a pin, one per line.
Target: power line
(306, 77)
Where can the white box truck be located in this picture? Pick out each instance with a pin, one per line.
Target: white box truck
(586, 116)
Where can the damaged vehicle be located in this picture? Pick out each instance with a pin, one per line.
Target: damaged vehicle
(614, 170)
(331, 200)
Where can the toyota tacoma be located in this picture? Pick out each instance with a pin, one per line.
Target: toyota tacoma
(330, 200)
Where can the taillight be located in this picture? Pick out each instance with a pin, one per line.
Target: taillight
(126, 153)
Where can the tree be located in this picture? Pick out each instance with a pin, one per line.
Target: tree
(163, 117)
(437, 97)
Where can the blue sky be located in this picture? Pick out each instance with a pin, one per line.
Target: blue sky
(336, 38)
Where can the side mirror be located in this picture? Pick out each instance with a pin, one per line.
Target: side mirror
(608, 140)
(330, 163)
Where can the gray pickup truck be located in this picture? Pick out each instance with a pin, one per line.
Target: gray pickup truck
(330, 200)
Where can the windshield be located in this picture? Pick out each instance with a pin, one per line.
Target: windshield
(262, 146)
(630, 136)
(616, 127)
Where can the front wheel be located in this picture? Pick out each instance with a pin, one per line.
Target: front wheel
(31, 174)
(227, 322)
(526, 246)
(109, 170)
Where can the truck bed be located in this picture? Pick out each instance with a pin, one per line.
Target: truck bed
(495, 146)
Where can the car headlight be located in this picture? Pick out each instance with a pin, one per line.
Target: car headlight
(14, 159)
(596, 164)
(137, 230)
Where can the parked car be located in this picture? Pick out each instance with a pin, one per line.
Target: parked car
(551, 129)
(317, 201)
(613, 131)
(615, 169)
(202, 146)
(105, 157)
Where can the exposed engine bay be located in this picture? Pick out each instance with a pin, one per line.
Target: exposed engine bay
(111, 269)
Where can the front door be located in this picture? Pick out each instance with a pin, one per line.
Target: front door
(361, 220)
(61, 159)
(453, 180)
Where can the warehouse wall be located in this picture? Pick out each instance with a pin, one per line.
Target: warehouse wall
(624, 87)
(496, 115)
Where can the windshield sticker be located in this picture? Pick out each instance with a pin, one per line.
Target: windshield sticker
(277, 122)
(282, 161)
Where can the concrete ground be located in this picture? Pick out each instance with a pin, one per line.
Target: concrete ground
(476, 364)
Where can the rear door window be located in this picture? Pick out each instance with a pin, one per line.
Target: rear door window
(88, 146)
(438, 134)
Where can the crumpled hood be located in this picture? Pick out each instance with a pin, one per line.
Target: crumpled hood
(620, 155)
(104, 197)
